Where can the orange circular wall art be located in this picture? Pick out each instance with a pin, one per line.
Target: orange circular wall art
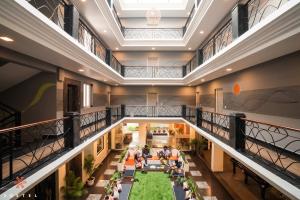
(236, 89)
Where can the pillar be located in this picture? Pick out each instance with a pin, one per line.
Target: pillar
(60, 181)
(142, 134)
(217, 158)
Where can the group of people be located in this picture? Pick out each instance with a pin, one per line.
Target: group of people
(116, 189)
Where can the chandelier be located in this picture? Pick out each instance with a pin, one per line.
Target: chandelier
(153, 17)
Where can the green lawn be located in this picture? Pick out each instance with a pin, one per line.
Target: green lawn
(152, 186)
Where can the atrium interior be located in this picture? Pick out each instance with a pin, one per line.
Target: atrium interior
(150, 99)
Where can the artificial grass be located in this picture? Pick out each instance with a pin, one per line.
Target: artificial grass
(151, 186)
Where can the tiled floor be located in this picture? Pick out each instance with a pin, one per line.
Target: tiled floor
(208, 185)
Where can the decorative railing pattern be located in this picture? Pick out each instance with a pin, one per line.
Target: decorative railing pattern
(190, 114)
(153, 111)
(90, 123)
(218, 41)
(274, 146)
(53, 9)
(191, 65)
(153, 33)
(40, 143)
(260, 9)
(152, 72)
(90, 41)
(116, 113)
(116, 65)
(189, 19)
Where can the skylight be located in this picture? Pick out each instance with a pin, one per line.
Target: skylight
(148, 4)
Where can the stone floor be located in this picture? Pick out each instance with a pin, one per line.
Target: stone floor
(209, 186)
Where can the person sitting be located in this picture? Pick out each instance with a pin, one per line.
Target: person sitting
(166, 152)
(119, 186)
(146, 154)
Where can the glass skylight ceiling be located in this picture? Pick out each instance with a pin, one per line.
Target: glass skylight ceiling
(148, 4)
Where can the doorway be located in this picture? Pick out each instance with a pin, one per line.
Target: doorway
(72, 96)
(219, 100)
(152, 103)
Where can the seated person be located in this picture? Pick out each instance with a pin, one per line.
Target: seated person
(146, 154)
(175, 153)
(166, 152)
(119, 186)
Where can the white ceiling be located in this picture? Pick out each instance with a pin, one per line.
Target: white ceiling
(98, 14)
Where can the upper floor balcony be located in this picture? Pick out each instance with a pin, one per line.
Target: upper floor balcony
(269, 150)
(247, 22)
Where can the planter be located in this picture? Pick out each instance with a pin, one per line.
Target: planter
(90, 182)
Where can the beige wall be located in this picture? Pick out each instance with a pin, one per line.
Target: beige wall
(269, 91)
(92, 149)
(168, 95)
(100, 91)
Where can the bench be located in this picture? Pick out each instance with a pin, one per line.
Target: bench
(248, 173)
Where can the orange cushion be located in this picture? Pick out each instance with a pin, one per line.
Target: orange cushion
(173, 158)
(129, 162)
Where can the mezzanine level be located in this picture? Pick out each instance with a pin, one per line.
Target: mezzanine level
(268, 150)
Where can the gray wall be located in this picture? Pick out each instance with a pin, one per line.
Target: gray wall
(100, 92)
(34, 97)
(269, 91)
(168, 95)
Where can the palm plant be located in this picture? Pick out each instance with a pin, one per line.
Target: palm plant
(74, 188)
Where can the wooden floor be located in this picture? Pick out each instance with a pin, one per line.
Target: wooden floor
(234, 183)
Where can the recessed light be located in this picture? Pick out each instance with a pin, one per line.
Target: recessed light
(153, 48)
(190, 48)
(104, 31)
(6, 39)
(117, 48)
(104, 80)
(228, 69)
(83, 0)
(188, 13)
(81, 70)
(202, 80)
(118, 13)
(201, 32)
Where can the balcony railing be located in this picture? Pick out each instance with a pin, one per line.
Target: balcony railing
(274, 147)
(153, 72)
(43, 142)
(255, 11)
(153, 33)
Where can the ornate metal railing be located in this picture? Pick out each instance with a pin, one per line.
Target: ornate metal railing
(274, 146)
(40, 143)
(218, 41)
(191, 65)
(153, 33)
(153, 72)
(90, 41)
(116, 113)
(190, 114)
(153, 111)
(260, 9)
(189, 19)
(116, 65)
(92, 122)
(53, 9)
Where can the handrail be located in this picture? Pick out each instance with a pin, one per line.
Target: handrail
(30, 125)
(270, 124)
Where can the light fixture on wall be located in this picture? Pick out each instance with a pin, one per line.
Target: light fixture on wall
(229, 69)
(6, 39)
(153, 17)
(201, 32)
(81, 70)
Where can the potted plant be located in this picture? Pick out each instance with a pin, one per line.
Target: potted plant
(122, 160)
(74, 188)
(89, 167)
(193, 189)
